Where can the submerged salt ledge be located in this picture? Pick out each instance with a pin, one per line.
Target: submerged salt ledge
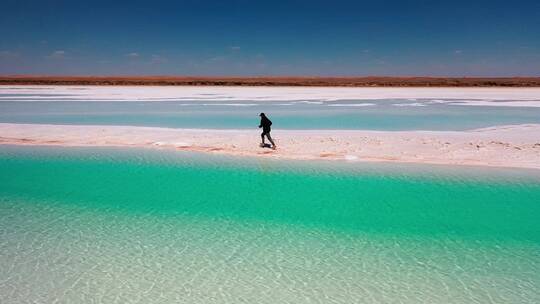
(503, 146)
(520, 97)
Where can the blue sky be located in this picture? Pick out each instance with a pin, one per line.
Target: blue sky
(242, 38)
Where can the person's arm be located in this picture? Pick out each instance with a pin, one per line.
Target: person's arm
(260, 125)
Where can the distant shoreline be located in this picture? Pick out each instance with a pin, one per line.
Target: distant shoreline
(274, 81)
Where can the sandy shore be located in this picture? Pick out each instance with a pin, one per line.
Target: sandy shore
(504, 146)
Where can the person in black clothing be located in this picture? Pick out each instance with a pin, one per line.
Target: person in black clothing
(265, 125)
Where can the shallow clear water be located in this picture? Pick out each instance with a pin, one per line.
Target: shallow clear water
(381, 115)
(108, 225)
(289, 108)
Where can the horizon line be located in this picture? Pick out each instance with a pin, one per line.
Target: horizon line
(308, 81)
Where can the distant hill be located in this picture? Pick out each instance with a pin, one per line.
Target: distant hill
(275, 81)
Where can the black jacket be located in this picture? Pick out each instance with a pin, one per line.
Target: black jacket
(265, 123)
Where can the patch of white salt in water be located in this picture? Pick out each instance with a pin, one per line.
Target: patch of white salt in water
(289, 107)
(475, 96)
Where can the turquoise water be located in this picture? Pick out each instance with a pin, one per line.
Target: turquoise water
(109, 225)
(380, 115)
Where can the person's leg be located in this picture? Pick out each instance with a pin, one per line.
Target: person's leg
(262, 137)
(270, 139)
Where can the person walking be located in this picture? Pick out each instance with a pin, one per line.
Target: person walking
(265, 125)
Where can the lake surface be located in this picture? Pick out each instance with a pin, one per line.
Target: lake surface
(289, 108)
(102, 225)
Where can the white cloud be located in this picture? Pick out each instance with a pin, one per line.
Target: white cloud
(132, 55)
(217, 58)
(59, 54)
(8, 54)
(234, 48)
(157, 59)
(458, 52)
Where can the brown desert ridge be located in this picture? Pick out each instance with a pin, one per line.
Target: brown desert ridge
(371, 81)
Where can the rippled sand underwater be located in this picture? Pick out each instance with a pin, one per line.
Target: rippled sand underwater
(106, 225)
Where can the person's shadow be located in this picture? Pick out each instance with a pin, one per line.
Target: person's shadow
(265, 145)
